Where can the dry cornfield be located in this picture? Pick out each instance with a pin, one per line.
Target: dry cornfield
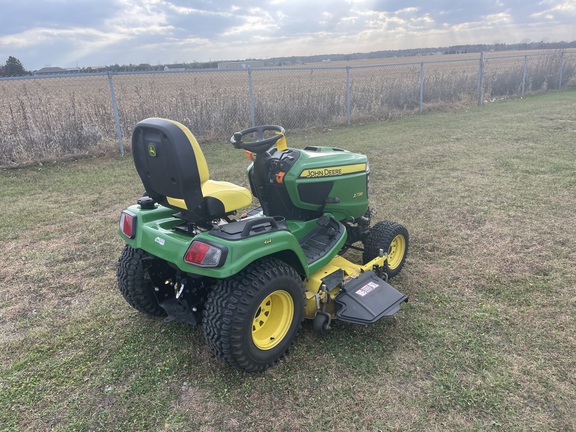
(51, 117)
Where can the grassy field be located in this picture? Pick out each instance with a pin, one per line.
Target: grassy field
(487, 341)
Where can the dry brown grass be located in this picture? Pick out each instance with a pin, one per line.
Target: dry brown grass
(462, 57)
(52, 117)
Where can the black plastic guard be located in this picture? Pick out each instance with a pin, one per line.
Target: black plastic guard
(176, 311)
(368, 298)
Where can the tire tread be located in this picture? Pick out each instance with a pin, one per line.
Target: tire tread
(133, 284)
(229, 306)
(379, 237)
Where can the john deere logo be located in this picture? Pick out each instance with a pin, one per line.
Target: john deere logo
(151, 150)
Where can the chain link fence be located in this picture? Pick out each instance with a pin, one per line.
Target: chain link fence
(51, 116)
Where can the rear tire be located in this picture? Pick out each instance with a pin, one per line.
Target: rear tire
(250, 319)
(393, 239)
(134, 282)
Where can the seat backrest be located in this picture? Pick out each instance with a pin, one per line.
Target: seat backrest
(170, 163)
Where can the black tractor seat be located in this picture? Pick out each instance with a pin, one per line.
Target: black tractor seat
(175, 174)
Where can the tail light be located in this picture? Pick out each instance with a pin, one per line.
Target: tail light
(128, 224)
(203, 254)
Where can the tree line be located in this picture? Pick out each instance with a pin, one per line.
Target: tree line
(13, 67)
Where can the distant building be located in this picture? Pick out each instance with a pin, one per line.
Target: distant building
(240, 64)
(51, 71)
(175, 67)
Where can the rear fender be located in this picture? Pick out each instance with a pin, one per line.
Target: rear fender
(279, 244)
(155, 235)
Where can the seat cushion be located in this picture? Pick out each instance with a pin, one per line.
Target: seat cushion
(232, 197)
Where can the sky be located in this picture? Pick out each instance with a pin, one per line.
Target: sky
(83, 33)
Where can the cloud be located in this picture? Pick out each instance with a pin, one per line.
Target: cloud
(561, 12)
(94, 32)
(21, 15)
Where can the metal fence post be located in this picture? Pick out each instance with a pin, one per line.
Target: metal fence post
(116, 117)
(561, 70)
(421, 85)
(251, 93)
(524, 75)
(348, 104)
(481, 80)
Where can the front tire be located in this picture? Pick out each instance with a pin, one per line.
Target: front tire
(134, 282)
(393, 239)
(251, 319)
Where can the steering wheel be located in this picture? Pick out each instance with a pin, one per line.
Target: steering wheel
(261, 145)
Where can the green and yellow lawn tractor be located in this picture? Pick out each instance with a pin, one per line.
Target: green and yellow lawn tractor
(250, 280)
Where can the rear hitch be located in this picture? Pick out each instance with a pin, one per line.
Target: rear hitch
(181, 299)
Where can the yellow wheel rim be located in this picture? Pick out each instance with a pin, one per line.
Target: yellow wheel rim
(396, 251)
(272, 320)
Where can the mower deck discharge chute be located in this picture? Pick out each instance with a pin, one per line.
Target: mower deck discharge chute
(251, 280)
